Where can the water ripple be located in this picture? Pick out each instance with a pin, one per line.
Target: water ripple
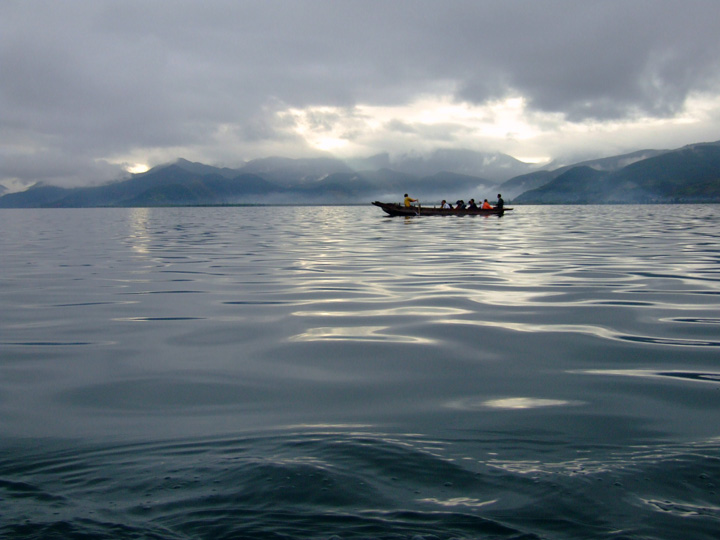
(697, 376)
(510, 403)
(351, 482)
(671, 341)
(549, 375)
(356, 333)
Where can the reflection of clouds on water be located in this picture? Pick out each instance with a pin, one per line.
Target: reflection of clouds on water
(420, 311)
(586, 329)
(508, 297)
(509, 403)
(459, 501)
(576, 467)
(658, 461)
(683, 509)
(355, 333)
(525, 403)
(535, 327)
(139, 236)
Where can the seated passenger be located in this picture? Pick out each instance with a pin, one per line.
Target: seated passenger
(472, 205)
(460, 205)
(486, 205)
(444, 204)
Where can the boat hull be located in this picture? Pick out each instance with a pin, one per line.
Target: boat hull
(395, 209)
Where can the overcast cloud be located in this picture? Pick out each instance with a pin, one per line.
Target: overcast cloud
(92, 87)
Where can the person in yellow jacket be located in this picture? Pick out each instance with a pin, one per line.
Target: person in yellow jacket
(408, 201)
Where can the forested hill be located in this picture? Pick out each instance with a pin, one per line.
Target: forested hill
(690, 174)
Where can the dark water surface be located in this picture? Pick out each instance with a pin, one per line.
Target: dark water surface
(327, 372)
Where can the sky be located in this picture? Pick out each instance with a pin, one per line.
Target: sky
(93, 89)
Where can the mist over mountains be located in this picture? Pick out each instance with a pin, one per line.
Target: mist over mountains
(688, 174)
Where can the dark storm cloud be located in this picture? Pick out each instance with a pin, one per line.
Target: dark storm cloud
(608, 59)
(93, 80)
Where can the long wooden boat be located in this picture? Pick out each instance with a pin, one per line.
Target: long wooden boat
(395, 209)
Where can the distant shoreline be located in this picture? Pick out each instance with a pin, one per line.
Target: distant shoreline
(317, 205)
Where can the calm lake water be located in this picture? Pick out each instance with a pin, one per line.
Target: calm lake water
(328, 372)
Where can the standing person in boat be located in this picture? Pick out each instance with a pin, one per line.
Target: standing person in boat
(500, 203)
(471, 204)
(486, 205)
(409, 201)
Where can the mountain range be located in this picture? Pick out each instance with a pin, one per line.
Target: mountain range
(688, 174)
